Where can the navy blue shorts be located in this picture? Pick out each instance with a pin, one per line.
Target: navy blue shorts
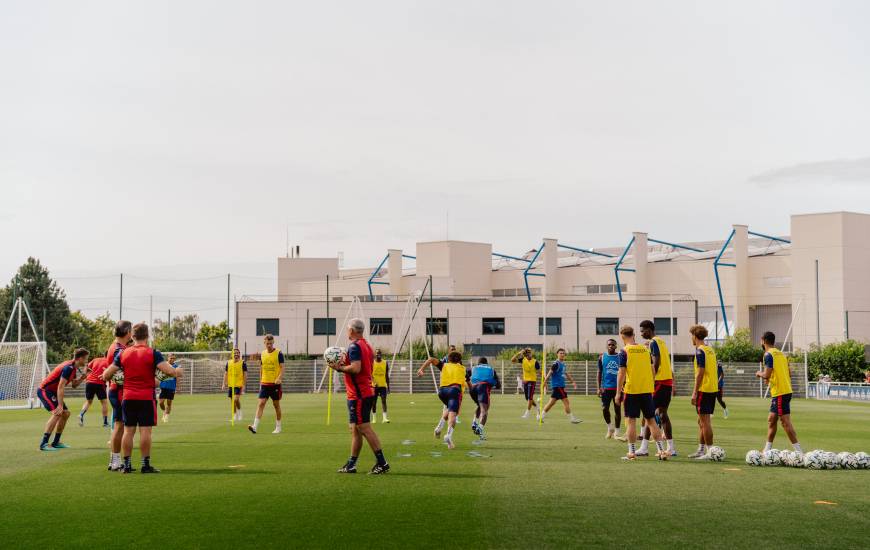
(271, 391)
(48, 399)
(167, 394)
(117, 411)
(451, 396)
(662, 396)
(781, 404)
(359, 411)
(706, 402)
(95, 390)
(139, 412)
(381, 391)
(480, 393)
(607, 397)
(234, 391)
(529, 390)
(559, 393)
(639, 403)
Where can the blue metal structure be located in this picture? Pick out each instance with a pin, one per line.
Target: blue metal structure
(526, 273)
(505, 256)
(584, 250)
(377, 270)
(618, 267)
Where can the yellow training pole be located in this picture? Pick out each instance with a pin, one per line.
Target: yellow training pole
(544, 361)
(329, 399)
(232, 406)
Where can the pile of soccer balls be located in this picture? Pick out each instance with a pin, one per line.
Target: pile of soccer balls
(813, 460)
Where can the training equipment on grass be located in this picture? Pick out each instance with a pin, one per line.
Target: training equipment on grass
(830, 460)
(813, 460)
(786, 458)
(847, 461)
(793, 459)
(717, 454)
(333, 355)
(753, 458)
(863, 460)
(771, 458)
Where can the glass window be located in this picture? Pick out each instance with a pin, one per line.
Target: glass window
(381, 325)
(606, 326)
(267, 326)
(493, 325)
(554, 326)
(663, 325)
(324, 326)
(436, 325)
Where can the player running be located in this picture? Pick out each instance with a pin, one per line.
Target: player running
(483, 380)
(235, 379)
(531, 367)
(271, 369)
(140, 364)
(167, 391)
(95, 387)
(51, 393)
(381, 382)
(357, 369)
(608, 373)
(634, 386)
(777, 374)
(116, 394)
(663, 389)
(557, 374)
(705, 389)
(450, 390)
(720, 395)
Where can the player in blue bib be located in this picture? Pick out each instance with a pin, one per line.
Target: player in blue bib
(608, 371)
(167, 391)
(483, 380)
(556, 374)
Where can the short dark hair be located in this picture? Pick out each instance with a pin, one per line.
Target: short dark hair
(140, 331)
(79, 353)
(268, 337)
(561, 349)
(611, 340)
(647, 324)
(123, 328)
(627, 331)
(482, 361)
(769, 338)
(454, 357)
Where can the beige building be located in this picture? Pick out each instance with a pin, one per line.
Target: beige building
(810, 285)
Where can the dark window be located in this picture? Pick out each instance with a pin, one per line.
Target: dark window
(381, 325)
(663, 325)
(436, 325)
(493, 325)
(606, 326)
(554, 326)
(322, 325)
(267, 326)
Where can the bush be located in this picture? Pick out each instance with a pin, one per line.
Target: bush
(738, 348)
(843, 361)
(507, 353)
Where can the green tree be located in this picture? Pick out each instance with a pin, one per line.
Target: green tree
(96, 335)
(182, 328)
(843, 361)
(213, 337)
(738, 348)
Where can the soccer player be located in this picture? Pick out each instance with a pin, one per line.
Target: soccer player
(663, 389)
(483, 380)
(116, 393)
(608, 373)
(531, 367)
(357, 370)
(721, 393)
(557, 374)
(435, 362)
(51, 392)
(167, 391)
(705, 389)
(140, 364)
(381, 382)
(271, 369)
(777, 374)
(95, 387)
(235, 379)
(450, 390)
(634, 387)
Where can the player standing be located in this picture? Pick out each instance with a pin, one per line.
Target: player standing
(116, 393)
(381, 382)
(271, 369)
(167, 391)
(777, 374)
(95, 387)
(608, 373)
(139, 363)
(51, 393)
(357, 369)
(531, 367)
(450, 390)
(635, 386)
(235, 379)
(663, 389)
(705, 390)
(483, 380)
(557, 374)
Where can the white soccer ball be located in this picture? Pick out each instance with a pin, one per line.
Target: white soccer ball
(847, 461)
(797, 459)
(118, 377)
(161, 376)
(813, 460)
(333, 355)
(717, 454)
(771, 458)
(787, 458)
(863, 460)
(830, 460)
(753, 458)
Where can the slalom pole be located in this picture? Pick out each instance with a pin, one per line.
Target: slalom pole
(543, 360)
(329, 398)
(232, 405)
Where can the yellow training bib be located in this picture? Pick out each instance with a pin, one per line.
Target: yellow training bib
(638, 370)
(269, 366)
(710, 382)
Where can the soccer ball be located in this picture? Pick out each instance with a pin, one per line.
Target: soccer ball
(771, 458)
(830, 460)
(753, 458)
(717, 454)
(333, 355)
(863, 460)
(161, 376)
(797, 459)
(847, 461)
(118, 377)
(787, 458)
(813, 460)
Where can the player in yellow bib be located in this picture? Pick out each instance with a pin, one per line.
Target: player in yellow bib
(531, 368)
(271, 369)
(381, 383)
(777, 374)
(235, 378)
(663, 386)
(454, 380)
(705, 390)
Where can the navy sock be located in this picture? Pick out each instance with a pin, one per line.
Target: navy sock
(45, 437)
(105, 420)
(146, 461)
(56, 439)
(379, 456)
(127, 462)
(352, 461)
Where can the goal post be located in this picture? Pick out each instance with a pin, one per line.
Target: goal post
(23, 365)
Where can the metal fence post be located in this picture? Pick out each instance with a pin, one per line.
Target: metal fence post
(411, 381)
(587, 377)
(502, 377)
(192, 365)
(314, 380)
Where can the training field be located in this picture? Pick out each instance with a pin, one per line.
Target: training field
(559, 485)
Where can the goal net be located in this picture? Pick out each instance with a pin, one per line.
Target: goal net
(23, 365)
(203, 371)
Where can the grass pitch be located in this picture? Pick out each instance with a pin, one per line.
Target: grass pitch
(559, 485)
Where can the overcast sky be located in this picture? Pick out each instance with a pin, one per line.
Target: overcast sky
(135, 135)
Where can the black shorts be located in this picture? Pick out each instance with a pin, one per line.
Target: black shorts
(167, 394)
(117, 411)
(559, 393)
(639, 403)
(271, 391)
(781, 404)
(480, 393)
(235, 390)
(359, 411)
(706, 402)
(529, 390)
(451, 396)
(139, 412)
(607, 397)
(662, 396)
(95, 390)
(48, 399)
(381, 391)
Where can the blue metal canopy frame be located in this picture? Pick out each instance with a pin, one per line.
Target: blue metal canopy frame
(527, 274)
(587, 251)
(618, 267)
(378, 270)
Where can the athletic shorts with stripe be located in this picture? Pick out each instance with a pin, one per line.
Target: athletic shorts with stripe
(359, 411)
(529, 390)
(781, 404)
(451, 396)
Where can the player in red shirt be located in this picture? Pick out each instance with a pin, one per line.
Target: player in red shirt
(140, 364)
(357, 369)
(95, 386)
(51, 392)
(116, 393)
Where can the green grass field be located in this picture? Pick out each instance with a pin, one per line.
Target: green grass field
(559, 485)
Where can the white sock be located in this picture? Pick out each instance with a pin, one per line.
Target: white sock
(768, 446)
(450, 432)
(610, 427)
(660, 445)
(644, 445)
(671, 445)
(543, 414)
(440, 424)
(797, 447)
(256, 423)
(702, 448)
(277, 423)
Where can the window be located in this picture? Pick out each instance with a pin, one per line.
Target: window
(436, 326)
(267, 326)
(554, 326)
(606, 326)
(493, 325)
(324, 326)
(663, 325)
(608, 289)
(381, 325)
